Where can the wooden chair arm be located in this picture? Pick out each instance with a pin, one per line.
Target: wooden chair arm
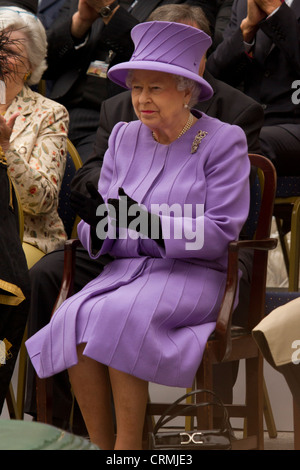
(67, 285)
(223, 326)
(265, 244)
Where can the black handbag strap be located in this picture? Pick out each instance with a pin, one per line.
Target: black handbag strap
(169, 416)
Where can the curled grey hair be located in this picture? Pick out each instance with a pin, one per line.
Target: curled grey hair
(183, 83)
(17, 19)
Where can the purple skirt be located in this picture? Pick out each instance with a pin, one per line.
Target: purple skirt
(149, 317)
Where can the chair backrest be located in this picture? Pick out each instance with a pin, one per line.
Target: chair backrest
(288, 186)
(259, 221)
(250, 226)
(268, 181)
(278, 297)
(65, 210)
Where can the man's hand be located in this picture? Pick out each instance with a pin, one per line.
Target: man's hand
(249, 25)
(268, 6)
(87, 13)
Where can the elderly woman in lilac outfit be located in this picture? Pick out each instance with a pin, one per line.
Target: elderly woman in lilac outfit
(173, 192)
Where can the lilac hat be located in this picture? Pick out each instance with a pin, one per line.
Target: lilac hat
(166, 47)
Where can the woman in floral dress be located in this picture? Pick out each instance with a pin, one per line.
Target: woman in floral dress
(33, 132)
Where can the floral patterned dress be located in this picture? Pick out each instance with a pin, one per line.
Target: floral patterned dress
(36, 162)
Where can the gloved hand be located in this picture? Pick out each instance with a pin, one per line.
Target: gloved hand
(86, 207)
(121, 211)
(119, 215)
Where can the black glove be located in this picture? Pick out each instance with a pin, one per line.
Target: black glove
(123, 219)
(86, 207)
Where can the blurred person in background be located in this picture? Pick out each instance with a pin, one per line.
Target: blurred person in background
(36, 145)
(14, 279)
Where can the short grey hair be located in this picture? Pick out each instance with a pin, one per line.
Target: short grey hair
(182, 83)
(186, 14)
(17, 19)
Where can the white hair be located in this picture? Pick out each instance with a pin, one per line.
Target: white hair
(17, 19)
(183, 83)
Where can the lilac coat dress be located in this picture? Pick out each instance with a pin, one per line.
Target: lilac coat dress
(151, 310)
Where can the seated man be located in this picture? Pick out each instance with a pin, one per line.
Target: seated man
(86, 38)
(261, 52)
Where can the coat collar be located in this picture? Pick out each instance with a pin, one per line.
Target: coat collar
(296, 7)
(46, 4)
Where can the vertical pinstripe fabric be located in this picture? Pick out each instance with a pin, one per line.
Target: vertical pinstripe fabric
(151, 310)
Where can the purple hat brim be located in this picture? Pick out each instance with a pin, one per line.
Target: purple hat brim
(118, 74)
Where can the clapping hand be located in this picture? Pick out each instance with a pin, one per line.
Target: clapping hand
(268, 6)
(124, 211)
(6, 128)
(119, 210)
(257, 10)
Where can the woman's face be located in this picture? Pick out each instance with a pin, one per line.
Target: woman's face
(156, 100)
(18, 63)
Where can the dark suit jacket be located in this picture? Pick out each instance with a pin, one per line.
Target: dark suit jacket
(66, 64)
(227, 104)
(48, 11)
(268, 75)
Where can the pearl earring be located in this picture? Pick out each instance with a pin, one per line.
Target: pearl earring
(186, 106)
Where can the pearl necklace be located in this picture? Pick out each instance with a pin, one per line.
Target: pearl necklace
(187, 126)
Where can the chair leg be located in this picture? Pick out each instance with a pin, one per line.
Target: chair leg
(296, 411)
(254, 399)
(44, 392)
(22, 376)
(283, 244)
(295, 248)
(11, 403)
(268, 413)
(204, 380)
(189, 419)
